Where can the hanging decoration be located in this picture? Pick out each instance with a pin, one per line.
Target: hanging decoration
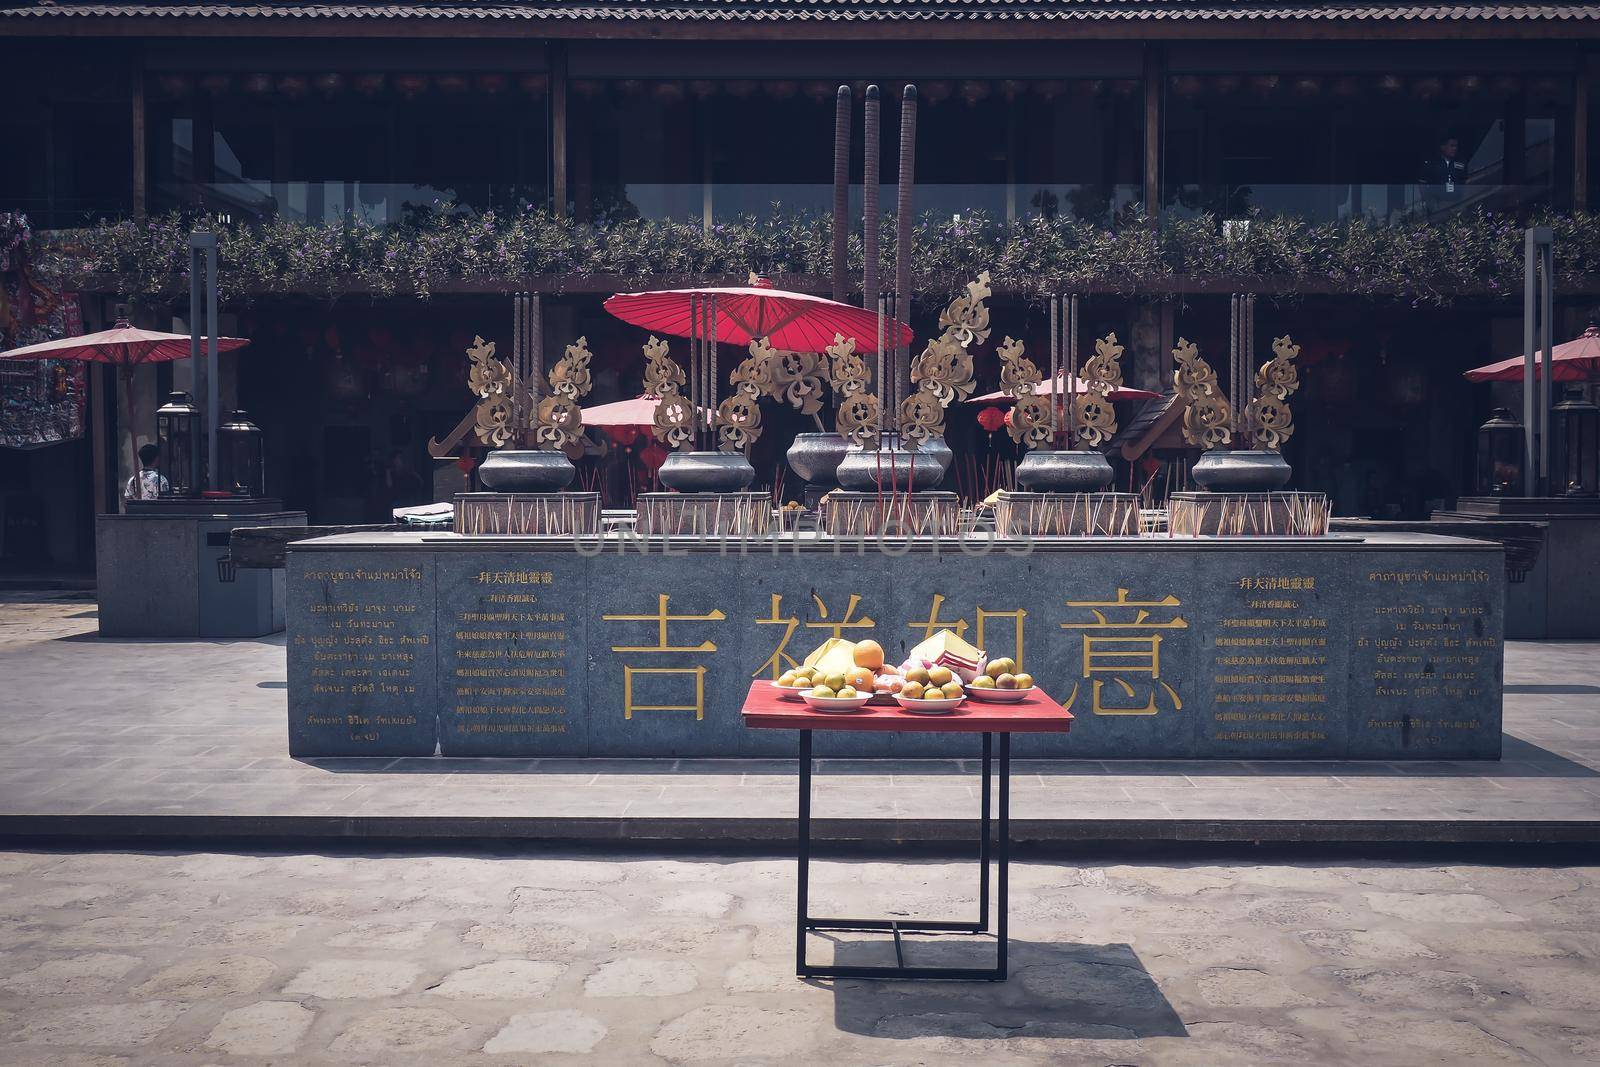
(1268, 417)
(1207, 418)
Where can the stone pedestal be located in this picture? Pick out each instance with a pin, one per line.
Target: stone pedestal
(1555, 598)
(164, 570)
(704, 514)
(850, 514)
(1247, 514)
(528, 514)
(1067, 514)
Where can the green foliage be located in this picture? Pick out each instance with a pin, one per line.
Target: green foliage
(1420, 261)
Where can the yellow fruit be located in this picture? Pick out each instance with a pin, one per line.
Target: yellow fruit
(982, 681)
(940, 675)
(1024, 681)
(822, 691)
(997, 667)
(953, 690)
(834, 681)
(911, 690)
(1006, 681)
(847, 692)
(918, 675)
(869, 654)
(786, 679)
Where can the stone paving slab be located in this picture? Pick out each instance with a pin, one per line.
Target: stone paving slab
(416, 959)
(189, 738)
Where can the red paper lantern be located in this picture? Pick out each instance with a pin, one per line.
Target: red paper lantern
(653, 456)
(991, 419)
(623, 435)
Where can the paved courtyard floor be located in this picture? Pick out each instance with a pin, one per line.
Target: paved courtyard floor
(193, 730)
(189, 959)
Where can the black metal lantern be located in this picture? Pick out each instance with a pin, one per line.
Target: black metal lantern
(1575, 446)
(241, 457)
(180, 431)
(1500, 447)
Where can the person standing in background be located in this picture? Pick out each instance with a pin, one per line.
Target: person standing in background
(1444, 174)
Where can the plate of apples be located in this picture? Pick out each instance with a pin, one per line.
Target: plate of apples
(1000, 683)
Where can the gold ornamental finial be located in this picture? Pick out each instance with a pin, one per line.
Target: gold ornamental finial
(495, 384)
(1019, 379)
(858, 415)
(738, 418)
(1094, 419)
(674, 423)
(1207, 420)
(1267, 418)
(559, 421)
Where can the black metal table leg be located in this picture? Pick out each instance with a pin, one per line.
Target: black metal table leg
(805, 922)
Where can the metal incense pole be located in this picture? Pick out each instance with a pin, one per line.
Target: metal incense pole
(1055, 362)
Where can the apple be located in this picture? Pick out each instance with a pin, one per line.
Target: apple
(822, 692)
(940, 675)
(983, 681)
(1024, 681)
(912, 690)
(920, 675)
(1003, 665)
(953, 690)
(847, 692)
(1006, 681)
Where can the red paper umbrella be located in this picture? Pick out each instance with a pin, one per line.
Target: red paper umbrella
(991, 419)
(792, 322)
(1577, 360)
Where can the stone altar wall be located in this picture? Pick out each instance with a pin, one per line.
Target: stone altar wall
(1383, 649)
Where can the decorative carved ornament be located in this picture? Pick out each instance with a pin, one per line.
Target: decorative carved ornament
(1094, 420)
(1207, 420)
(559, 421)
(674, 423)
(495, 384)
(738, 418)
(858, 416)
(1268, 417)
(1019, 377)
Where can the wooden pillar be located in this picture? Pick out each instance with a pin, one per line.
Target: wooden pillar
(1155, 80)
(1580, 137)
(136, 125)
(558, 128)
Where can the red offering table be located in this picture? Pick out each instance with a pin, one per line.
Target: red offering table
(768, 708)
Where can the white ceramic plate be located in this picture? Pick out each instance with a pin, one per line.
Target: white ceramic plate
(999, 696)
(792, 692)
(929, 707)
(855, 703)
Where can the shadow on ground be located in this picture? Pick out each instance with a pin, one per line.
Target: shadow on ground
(1056, 990)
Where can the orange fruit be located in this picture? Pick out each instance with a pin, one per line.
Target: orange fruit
(869, 654)
(861, 678)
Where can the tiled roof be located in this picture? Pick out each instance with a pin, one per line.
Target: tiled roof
(781, 11)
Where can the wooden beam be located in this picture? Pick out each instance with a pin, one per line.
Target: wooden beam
(1155, 79)
(502, 29)
(558, 129)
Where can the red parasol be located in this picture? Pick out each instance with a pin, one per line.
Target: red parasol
(639, 412)
(792, 322)
(1077, 386)
(1578, 360)
(122, 345)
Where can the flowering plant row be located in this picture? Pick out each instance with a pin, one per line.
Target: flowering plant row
(1419, 261)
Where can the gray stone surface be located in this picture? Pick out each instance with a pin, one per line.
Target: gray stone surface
(1383, 648)
(362, 656)
(157, 577)
(1147, 963)
(155, 734)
